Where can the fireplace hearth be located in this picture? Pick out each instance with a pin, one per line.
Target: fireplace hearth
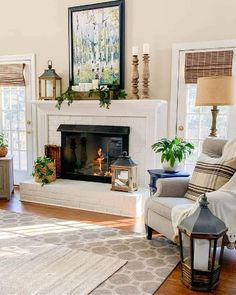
(87, 151)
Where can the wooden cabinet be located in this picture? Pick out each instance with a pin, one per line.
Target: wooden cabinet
(6, 177)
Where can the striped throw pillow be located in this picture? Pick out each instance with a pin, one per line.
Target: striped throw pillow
(209, 175)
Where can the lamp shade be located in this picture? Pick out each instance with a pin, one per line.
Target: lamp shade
(215, 91)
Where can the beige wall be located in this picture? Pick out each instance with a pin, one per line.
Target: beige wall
(40, 27)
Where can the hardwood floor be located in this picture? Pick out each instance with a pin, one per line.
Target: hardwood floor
(172, 286)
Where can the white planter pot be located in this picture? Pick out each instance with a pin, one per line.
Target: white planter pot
(168, 168)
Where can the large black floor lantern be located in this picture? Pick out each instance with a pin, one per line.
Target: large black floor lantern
(200, 234)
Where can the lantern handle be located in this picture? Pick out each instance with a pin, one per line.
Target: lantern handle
(203, 202)
(50, 64)
(124, 154)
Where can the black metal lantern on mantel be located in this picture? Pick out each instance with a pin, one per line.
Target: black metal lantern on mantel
(124, 174)
(199, 236)
(50, 84)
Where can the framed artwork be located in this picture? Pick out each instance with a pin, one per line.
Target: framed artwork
(96, 43)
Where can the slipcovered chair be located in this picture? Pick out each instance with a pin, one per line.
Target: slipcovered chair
(171, 191)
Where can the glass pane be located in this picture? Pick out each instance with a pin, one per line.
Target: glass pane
(186, 249)
(7, 135)
(14, 121)
(205, 125)
(14, 99)
(21, 122)
(222, 125)
(22, 141)
(6, 96)
(194, 156)
(205, 110)
(6, 120)
(192, 126)
(16, 160)
(121, 177)
(223, 109)
(191, 95)
(201, 254)
(23, 160)
(15, 141)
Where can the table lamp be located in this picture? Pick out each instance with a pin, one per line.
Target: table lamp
(216, 91)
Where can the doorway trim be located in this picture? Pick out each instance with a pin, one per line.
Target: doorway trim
(177, 48)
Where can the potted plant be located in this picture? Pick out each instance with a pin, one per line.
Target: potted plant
(3, 146)
(68, 95)
(44, 170)
(108, 93)
(173, 152)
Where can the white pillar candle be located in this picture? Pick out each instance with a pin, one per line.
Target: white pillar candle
(75, 88)
(146, 48)
(88, 86)
(135, 50)
(201, 254)
(49, 88)
(95, 84)
(124, 175)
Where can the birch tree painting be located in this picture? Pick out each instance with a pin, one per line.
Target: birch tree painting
(96, 45)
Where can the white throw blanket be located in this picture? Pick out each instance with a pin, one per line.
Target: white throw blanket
(222, 202)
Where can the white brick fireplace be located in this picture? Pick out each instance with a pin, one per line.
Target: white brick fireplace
(147, 120)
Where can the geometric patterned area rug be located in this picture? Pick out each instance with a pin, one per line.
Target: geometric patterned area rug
(29, 267)
(149, 262)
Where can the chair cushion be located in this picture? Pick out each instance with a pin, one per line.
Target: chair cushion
(209, 175)
(163, 206)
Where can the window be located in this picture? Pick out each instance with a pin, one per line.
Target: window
(12, 123)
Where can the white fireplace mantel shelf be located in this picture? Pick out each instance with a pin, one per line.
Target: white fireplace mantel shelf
(126, 105)
(146, 118)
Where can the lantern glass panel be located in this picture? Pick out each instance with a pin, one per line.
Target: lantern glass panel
(58, 88)
(49, 88)
(134, 177)
(121, 178)
(201, 254)
(217, 254)
(186, 249)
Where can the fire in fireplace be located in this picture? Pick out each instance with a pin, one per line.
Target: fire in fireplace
(87, 151)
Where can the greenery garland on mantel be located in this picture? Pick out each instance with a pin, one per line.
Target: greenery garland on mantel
(105, 94)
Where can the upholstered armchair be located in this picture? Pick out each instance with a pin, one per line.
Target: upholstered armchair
(171, 191)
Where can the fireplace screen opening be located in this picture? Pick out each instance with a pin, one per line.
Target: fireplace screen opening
(88, 151)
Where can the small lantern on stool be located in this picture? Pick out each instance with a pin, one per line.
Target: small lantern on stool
(124, 174)
(50, 84)
(199, 236)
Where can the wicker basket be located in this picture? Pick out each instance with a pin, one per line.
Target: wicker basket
(51, 178)
(3, 151)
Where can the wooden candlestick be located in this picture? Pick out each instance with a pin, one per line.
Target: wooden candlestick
(146, 76)
(135, 78)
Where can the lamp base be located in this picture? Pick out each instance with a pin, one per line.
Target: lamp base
(214, 113)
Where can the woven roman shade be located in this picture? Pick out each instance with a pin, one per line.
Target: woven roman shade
(12, 75)
(207, 64)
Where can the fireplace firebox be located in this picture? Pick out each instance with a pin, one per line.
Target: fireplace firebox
(87, 151)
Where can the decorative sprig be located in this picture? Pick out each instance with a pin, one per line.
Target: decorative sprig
(106, 93)
(68, 95)
(3, 141)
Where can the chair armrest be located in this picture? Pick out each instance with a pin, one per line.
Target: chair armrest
(172, 187)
